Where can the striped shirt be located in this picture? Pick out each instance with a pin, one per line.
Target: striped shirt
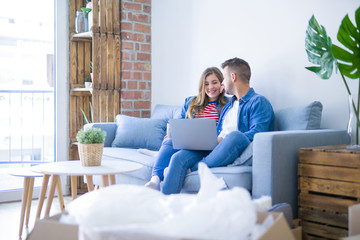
(209, 111)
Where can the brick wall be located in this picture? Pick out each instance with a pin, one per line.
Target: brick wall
(136, 57)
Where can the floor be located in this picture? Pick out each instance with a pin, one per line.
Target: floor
(10, 217)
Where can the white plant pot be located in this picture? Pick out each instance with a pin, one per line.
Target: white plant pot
(88, 84)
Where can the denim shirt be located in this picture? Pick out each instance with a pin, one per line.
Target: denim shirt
(255, 114)
(187, 104)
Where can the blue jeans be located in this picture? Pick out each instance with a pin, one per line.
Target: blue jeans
(163, 159)
(223, 154)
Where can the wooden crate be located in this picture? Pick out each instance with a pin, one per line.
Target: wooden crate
(329, 182)
(102, 46)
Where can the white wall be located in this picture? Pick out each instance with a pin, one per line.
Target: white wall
(62, 84)
(190, 35)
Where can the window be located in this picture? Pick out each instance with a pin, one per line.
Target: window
(26, 87)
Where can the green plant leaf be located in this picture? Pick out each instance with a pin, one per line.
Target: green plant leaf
(91, 135)
(357, 18)
(349, 36)
(86, 10)
(318, 47)
(85, 118)
(314, 69)
(92, 113)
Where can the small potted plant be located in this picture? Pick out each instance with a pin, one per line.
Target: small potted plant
(90, 146)
(88, 82)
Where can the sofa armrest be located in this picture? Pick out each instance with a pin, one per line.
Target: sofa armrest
(275, 160)
(109, 128)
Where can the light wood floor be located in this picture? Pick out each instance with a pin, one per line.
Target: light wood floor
(10, 217)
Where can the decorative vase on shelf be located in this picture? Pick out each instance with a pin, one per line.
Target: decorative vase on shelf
(81, 22)
(353, 128)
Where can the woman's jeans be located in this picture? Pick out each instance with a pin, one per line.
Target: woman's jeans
(165, 153)
(223, 154)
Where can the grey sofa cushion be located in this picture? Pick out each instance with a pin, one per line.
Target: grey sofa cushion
(306, 117)
(135, 132)
(237, 176)
(131, 155)
(166, 112)
(138, 177)
(128, 154)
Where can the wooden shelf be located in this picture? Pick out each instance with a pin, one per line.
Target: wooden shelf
(81, 92)
(84, 36)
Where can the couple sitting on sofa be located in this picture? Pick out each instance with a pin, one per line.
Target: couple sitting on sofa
(245, 114)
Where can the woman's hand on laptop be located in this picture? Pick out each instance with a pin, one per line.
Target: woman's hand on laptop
(220, 139)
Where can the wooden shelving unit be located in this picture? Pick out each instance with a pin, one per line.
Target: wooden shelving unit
(101, 46)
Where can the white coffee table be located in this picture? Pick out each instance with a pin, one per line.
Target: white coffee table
(73, 169)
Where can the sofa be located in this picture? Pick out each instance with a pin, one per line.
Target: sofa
(267, 167)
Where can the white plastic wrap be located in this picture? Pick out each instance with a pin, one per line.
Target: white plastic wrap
(135, 212)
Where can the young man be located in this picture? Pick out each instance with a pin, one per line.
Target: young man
(246, 114)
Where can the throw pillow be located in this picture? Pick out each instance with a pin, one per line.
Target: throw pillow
(166, 112)
(306, 117)
(133, 132)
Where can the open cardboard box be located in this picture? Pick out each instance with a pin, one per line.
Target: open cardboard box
(354, 222)
(52, 228)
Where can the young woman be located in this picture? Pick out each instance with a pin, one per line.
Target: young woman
(207, 104)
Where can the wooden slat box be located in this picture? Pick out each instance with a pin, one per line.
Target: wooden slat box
(329, 182)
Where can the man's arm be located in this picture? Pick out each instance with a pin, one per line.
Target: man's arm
(261, 117)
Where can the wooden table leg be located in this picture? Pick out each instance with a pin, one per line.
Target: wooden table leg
(42, 194)
(60, 194)
(23, 205)
(105, 180)
(112, 179)
(28, 201)
(74, 187)
(90, 184)
(54, 180)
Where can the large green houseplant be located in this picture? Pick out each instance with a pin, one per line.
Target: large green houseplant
(327, 56)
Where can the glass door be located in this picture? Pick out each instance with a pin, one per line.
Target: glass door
(26, 90)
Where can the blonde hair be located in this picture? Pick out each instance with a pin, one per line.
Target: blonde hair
(201, 100)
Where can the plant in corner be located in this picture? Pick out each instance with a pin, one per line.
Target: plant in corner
(327, 56)
(90, 146)
(87, 82)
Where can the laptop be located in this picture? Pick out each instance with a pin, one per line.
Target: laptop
(193, 134)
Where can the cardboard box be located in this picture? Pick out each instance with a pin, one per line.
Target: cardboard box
(51, 228)
(354, 220)
(297, 232)
(279, 230)
(354, 223)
